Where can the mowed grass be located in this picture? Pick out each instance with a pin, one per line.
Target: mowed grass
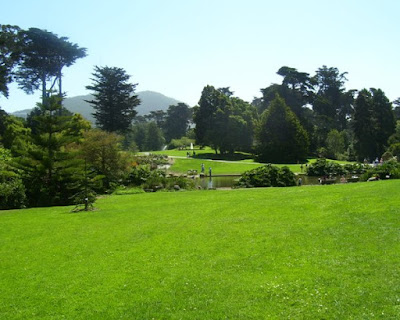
(222, 166)
(320, 252)
(181, 166)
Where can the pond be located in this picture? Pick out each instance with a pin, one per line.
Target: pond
(216, 182)
(229, 181)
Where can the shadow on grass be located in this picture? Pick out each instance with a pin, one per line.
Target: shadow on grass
(228, 157)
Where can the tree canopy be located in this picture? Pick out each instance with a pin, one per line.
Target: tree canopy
(114, 99)
(280, 136)
(223, 121)
(35, 57)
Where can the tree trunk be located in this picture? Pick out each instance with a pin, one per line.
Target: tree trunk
(44, 90)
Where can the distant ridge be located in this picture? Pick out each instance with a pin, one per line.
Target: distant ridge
(150, 101)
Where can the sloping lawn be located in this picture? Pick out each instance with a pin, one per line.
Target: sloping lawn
(228, 164)
(218, 167)
(320, 252)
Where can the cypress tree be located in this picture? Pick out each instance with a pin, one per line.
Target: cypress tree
(114, 99)
(281, 138)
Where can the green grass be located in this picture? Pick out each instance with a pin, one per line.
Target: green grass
(183, 153)
(236, 164)
(323, 252)
(218, 167)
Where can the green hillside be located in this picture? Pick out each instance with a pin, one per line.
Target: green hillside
(150, 101)
(322, 252)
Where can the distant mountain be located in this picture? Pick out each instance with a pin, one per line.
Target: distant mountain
(21, 113)
(150, 101)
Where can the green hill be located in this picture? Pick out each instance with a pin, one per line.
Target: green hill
(150, 101)
(322, 252)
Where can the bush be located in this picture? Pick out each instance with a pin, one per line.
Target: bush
(267, 176)
(394, 149)
(325, 168)
(356, 168)
(183, 142)
(158, 180)
(153, 160)
(138, 175)
(12, 194)
(388, 169)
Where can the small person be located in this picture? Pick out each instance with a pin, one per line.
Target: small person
(202, 168)
(300, 182)
(209, 172)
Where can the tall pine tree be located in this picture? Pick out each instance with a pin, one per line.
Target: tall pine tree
(281, 138)
(373, 123)
(51, 172)
(114, 99)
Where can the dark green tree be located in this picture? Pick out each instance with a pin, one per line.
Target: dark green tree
(331, 102)
(51, 172)
(15, 136)
(384, 121)
(177, 121)
(44, 55)
(280, 137)
(158, 116)
(396, 109)
(297, 91)
(204, 114)
(114, 99)
(335, 144)
(373, 123)
(12, 190)
(363, 126)
(154, 139)
(32, 118)
(221, 118)
(102, 152)
(11, 44)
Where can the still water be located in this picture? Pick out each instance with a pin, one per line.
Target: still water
(229, 181)
(216, 182)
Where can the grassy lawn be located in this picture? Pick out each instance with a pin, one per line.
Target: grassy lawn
(218, 167)
(236, 164)
(322, 252)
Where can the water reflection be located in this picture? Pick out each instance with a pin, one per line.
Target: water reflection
(216, 182)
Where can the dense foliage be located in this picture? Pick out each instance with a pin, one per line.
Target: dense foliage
(280, 136)
(34, 57)
(114, 99)
(12, 190)
(387, 170)
(224, 122)
(267, 176)
(55, 158)
(373, 123)
(322, 167)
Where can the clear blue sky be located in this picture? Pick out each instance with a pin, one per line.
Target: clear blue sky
(177, 47)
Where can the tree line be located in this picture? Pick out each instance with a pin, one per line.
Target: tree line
(302, 116)
(55, 157)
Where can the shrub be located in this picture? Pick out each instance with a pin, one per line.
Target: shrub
(12, 194)
(357, 168)
(388, 169)
(394, 149)
(183, 142)
(158, 180)
(325, 168)
(267, 176)
(138, 175)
